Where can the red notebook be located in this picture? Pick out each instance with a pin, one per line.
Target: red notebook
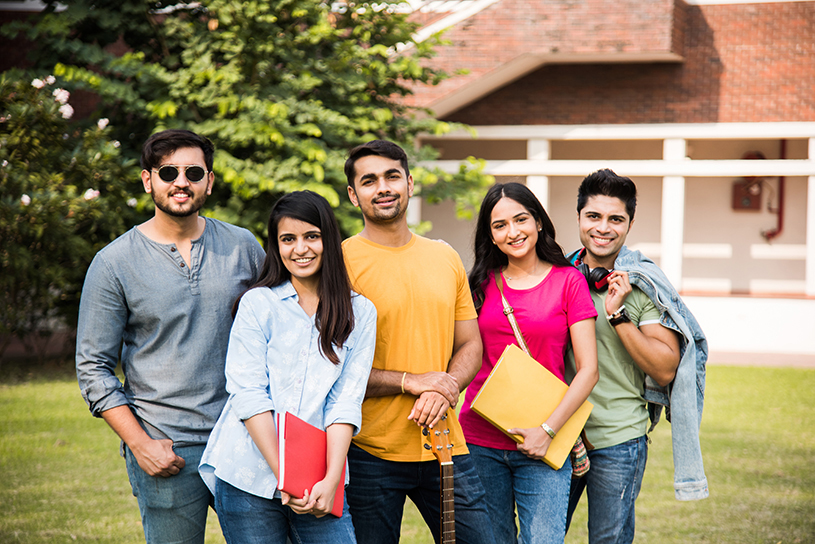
(302, 458)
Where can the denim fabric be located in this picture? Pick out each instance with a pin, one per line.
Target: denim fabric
(612, 485)
(540, 493)
(172, 322)
(173, 509)
(685, 396)
(249, 519)
(274, 363)
(378, 488)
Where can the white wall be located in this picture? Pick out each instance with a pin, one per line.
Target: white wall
(757, 325)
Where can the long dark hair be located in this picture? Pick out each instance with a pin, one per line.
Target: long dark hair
(335, 314)
(487, 255)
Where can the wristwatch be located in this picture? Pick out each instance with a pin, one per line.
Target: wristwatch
(620, 316)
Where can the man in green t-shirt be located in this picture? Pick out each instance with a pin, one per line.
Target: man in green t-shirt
(631, 343)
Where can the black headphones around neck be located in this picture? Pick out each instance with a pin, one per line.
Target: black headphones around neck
(597, 278)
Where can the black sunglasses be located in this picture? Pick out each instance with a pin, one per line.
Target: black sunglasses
(169, 173)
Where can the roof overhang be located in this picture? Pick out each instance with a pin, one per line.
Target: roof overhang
(528, 63)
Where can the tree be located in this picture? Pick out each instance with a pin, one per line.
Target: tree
(284, 89)
(63, 195)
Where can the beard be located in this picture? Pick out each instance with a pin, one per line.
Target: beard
(379, 215)
(192, 206)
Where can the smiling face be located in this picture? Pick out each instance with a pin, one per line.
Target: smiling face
(381, 189)
(179, 198)
(513, 229)
(301, 249)
(603, 224)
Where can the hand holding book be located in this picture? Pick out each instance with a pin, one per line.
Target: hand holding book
(304, 451)
(535, 442)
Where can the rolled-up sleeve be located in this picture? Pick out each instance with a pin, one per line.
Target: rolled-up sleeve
(102, 319)
(344, 402)
(247, 374)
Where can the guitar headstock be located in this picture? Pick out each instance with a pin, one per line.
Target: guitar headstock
(439, 441)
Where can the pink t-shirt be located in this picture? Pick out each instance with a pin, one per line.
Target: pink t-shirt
(544, 313)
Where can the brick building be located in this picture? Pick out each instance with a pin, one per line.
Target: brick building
(675, 94)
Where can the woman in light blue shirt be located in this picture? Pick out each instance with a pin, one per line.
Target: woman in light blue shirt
(302, 342)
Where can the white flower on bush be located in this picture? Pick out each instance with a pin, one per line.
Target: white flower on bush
(102, 123)
(61, 96)
(38, 83)
(25, 200)
(90, 194)
(132, 202)
(5, 163)
(66, 110)
(50, 80)
(116, 143)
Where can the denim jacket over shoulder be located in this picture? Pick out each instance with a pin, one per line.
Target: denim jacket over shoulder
(684, 397)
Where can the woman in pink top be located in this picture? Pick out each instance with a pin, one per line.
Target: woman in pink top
(515, 237)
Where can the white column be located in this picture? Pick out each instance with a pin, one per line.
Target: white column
(414, 211)
(810, 255)
(673, 214)
(539, 150)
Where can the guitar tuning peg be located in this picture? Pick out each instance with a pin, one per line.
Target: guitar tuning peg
(427, 446)
(424, 431)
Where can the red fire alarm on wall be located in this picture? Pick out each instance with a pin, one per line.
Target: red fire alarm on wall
(747, 194)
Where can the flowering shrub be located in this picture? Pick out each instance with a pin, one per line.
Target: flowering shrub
(64, 192)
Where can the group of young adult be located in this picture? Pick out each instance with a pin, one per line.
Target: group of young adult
(372, 339)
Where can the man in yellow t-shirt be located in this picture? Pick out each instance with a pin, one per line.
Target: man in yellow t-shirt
(428, 349)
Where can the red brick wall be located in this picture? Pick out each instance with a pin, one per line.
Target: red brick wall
(743, 63)
(510, 28)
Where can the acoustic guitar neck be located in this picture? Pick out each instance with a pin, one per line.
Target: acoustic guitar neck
(439, 438)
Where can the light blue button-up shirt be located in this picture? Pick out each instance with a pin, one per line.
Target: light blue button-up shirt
(274, 363)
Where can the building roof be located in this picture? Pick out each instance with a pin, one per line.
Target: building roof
(499, 41)
(625, 61)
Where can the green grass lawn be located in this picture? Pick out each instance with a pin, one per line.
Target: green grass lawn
(63, 480)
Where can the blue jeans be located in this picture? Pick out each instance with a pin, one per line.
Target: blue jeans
(378, 488)
(612, 485)
(173, 509)
(540, 493)
(249, 519)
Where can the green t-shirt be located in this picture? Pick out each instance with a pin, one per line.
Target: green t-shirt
(620, 412)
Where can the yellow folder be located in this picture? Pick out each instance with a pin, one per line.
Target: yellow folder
(521, 393)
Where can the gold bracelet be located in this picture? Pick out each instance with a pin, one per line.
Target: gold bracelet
(403, 382)
(548, 430)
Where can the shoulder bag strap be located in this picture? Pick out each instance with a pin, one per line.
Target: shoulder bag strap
(509, 311)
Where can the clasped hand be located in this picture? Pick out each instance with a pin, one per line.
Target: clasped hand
(437, 392)
(319, 502)
(536, 442)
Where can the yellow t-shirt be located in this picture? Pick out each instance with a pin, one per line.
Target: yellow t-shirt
(420, 290)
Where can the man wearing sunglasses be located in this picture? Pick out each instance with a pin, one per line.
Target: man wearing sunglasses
(163, 294)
